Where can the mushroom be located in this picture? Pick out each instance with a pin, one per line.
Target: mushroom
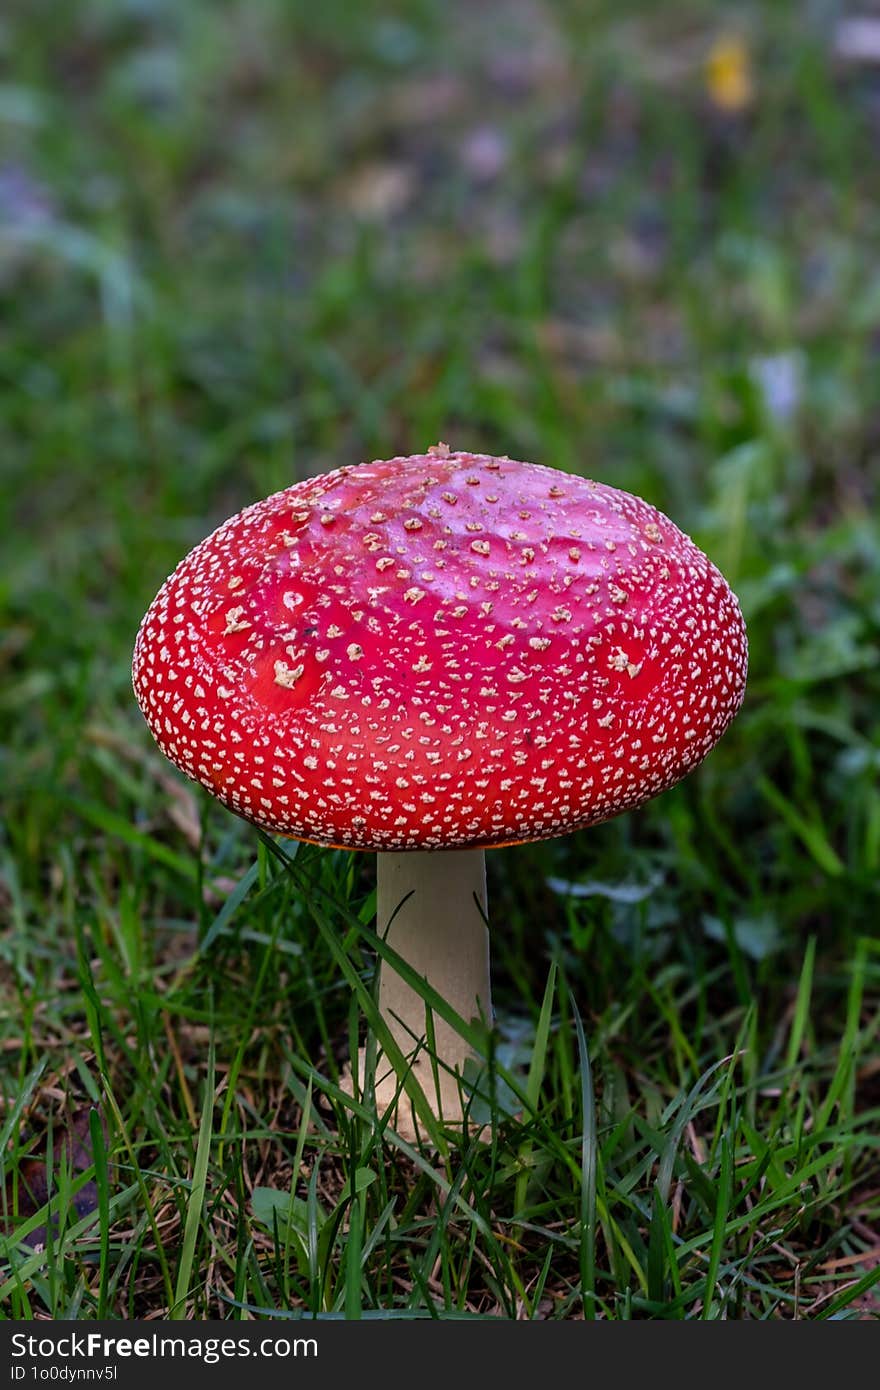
(432, 655)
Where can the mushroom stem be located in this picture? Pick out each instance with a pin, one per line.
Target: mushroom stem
(431, 910)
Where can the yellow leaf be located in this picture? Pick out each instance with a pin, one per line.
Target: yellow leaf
(728, 75)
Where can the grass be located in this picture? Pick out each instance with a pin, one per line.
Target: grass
(245, 243)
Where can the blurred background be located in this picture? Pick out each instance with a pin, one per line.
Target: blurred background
(247, 241)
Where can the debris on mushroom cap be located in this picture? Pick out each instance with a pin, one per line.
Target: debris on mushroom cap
(343, 663)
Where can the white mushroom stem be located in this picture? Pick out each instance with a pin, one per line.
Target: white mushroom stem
(431, 910)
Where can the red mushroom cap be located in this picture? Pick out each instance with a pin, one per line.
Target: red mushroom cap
(440, 651)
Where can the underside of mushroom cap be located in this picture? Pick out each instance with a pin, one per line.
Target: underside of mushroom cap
(441, 650)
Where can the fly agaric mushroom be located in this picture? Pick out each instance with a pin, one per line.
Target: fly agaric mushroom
(428, 656)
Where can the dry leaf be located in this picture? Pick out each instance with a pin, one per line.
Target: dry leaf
(72, 1146)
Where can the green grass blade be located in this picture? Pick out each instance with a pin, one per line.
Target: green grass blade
(102, 1182)
(123, 830)
(196, 1199)
(802, 1006)
(723, 1194)
(811, 835)
(589, 1166)
(353, 1262)
(230, 907)
(533, 1083)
